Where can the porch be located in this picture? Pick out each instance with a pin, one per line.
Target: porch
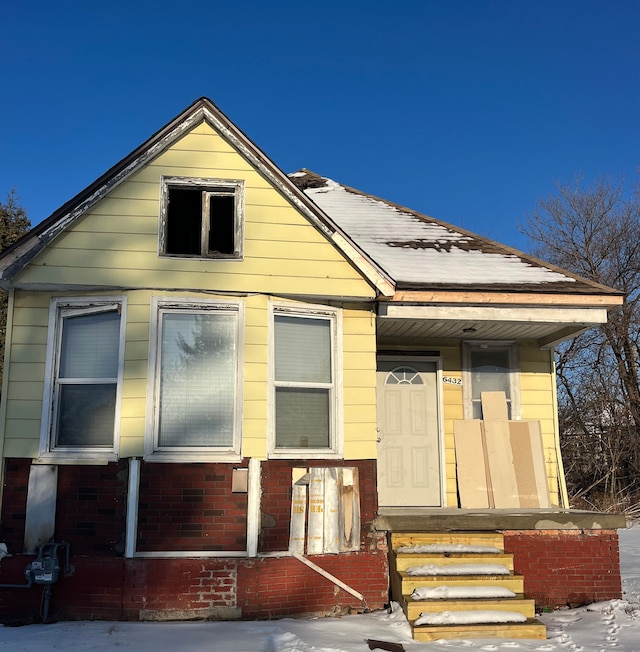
(450, 569)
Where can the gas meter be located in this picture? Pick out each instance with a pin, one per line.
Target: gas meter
(45, 569)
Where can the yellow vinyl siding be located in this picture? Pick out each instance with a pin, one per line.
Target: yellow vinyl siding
(537, 380)
(453, 408)
(25, 370)
(359, 376)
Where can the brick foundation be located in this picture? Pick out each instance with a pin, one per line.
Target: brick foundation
(186, 507)
(566, 567)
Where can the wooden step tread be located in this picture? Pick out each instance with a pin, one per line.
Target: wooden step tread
(413, 608)
(532, 629)
(453, 578)
(493, 539)
(404, 560)
(514, 583)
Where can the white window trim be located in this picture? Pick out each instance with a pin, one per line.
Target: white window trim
(336, 449)
(76, 455)
(212, 186)
(514, 373)
(191, 453)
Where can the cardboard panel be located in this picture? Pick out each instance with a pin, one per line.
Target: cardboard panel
(472, 478)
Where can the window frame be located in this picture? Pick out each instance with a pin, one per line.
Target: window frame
(59, 309)
(336, 417)
(510, 347)
(211, 187)
(155, 453)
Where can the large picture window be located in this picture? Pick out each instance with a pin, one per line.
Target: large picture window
(196, 378)
(85, 358)
(304, 381)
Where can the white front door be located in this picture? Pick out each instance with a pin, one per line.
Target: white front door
(408, 434)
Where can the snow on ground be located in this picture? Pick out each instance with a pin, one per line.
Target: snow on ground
(604, 627)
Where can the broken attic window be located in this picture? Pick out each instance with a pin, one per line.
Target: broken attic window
(203, 221)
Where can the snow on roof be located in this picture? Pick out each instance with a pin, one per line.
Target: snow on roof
(418, 250)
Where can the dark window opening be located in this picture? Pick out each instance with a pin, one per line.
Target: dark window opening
(184, 221)
(201, 222)
(221, 224)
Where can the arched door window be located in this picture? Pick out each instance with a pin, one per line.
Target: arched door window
(403, 376)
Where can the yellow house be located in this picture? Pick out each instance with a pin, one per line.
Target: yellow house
(225, 387)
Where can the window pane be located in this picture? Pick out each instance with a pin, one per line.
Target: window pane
(86, 415)
(90, 345)
(184, 222)
(222, 224)
(490, 372)
(197, 382)
(302, 349)
(302, 418)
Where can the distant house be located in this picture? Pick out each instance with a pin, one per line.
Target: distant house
(225, 387)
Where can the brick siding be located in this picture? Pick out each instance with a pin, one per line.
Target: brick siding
(566, 567)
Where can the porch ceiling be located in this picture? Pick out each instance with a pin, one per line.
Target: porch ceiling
(546, 334)
(548, 325)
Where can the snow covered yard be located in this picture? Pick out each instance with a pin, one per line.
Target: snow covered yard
(605, 626)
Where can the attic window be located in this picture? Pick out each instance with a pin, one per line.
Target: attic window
(201, 218)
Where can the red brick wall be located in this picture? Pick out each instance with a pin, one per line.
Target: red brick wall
(91, 508)
(103, 588)
(183, 507)
(190, 507)
(272, 588)
(567, 567)
(14, 504)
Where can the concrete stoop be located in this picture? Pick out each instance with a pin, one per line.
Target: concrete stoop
(456, 550)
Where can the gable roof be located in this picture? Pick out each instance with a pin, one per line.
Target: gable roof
(419, 252)
(394, 248)
(17, 256)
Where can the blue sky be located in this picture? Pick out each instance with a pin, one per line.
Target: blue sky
(466, 110)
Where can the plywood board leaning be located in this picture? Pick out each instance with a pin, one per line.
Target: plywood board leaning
(331, 513)
(520, 436)
(315, 525)
(350, 510)
(501, 467)
(472, 477)
(494, 406)
(539, 465)
(298, 514)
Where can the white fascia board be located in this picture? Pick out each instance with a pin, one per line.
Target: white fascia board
(495, 313)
